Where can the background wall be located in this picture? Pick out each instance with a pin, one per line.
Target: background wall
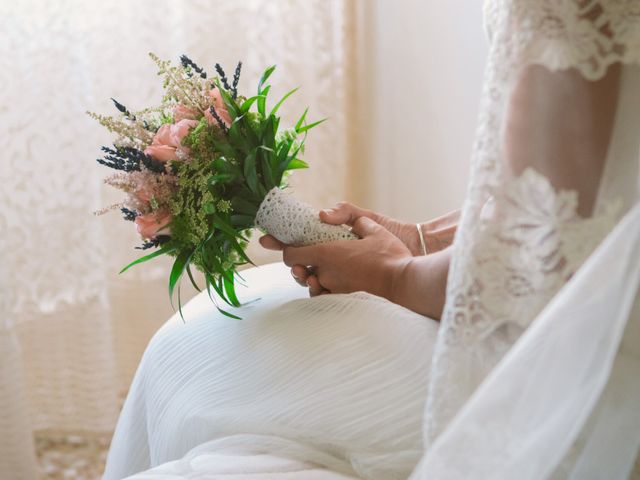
(420, 79)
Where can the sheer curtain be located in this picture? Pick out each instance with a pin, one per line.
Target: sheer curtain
(71, 329)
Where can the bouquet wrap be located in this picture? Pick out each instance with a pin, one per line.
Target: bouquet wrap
(295, 222)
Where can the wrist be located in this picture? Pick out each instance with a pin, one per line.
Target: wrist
(399, 273)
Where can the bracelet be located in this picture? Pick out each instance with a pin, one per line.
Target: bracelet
(422, 242)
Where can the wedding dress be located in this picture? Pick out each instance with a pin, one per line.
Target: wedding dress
(534, 369)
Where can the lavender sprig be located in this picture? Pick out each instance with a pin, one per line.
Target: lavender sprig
(236, 79)
(128, 159)
(223, 77)
(187, 62)
(152, 164)
(221, 124)
(124, 110)
(128, 215)
(155, 242)
(118, 160)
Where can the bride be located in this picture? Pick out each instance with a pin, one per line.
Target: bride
(512, 351)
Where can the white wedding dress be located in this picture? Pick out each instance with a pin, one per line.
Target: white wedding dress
(534, 370)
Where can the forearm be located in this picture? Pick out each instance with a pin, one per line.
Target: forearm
(420, 283)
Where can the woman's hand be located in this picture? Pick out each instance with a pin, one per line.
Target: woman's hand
(345, 213)
(370, 264)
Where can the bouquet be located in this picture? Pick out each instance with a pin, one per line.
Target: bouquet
(203, 168)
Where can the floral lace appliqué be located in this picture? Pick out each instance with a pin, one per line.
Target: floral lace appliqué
(524, 252)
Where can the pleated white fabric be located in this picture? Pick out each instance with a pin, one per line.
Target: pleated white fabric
(337, 381)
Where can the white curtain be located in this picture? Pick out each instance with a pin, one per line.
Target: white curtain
(71, 329)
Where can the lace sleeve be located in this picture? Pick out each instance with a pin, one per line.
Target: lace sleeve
(588, 35)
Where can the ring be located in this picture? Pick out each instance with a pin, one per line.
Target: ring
(311, 270)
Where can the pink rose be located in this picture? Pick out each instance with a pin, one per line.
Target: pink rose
(180, 112)
(181, 130)
(168, 139)
(151, 224)
(221, 109)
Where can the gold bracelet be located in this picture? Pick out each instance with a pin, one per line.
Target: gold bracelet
(422, 242)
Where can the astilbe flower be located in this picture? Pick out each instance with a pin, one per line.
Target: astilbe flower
(180, 87)
(147, 191)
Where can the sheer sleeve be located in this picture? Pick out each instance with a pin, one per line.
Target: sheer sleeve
(555, 168)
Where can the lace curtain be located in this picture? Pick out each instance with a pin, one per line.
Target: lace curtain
(71, 329)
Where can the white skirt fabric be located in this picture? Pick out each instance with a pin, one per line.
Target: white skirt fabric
(335, 383)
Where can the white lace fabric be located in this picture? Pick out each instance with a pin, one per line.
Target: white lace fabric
(521, 239)
(295, 222)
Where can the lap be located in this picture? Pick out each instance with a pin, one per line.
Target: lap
(341, 370)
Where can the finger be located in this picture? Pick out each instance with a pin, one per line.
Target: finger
(343, 213)
(315, 288)
(364, 227)
(301, 255)
(300, 274)
(271, 243)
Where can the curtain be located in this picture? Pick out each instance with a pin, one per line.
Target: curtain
(71, 329)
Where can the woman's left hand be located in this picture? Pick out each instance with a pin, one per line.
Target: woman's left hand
(370, 264)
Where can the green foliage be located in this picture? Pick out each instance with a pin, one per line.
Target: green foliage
(222, 183)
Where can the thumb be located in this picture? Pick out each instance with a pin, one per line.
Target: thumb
(364, 227)
(343, 213)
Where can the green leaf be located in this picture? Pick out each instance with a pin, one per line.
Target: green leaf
(193, 282)
(246, 105)
(242, 206)
(267, 171)
(310, 126)
(282, 100)
(238, 248)
(230, 103)
(237, 139)
(297, 163)
(220, 178)
(219, 223)
(179, 266)
(283, 159)
(227, 314)
(249, 170)
(211, 283)
(230, 290)
(180, 305)
(242, 221)
(262, 100)
(157, 253)
(265, 76)
(301, 121)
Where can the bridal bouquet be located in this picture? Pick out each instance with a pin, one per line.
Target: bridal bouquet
(203, 168)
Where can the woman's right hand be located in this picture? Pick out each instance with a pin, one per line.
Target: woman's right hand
(345, 213)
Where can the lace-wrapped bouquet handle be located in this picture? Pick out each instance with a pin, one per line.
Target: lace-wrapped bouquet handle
(203, 168)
